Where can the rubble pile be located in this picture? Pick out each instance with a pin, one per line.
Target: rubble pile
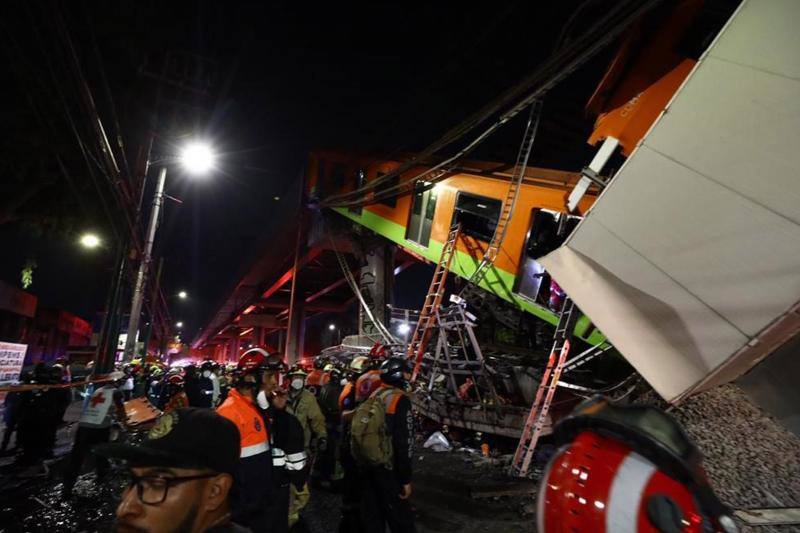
(751, 459)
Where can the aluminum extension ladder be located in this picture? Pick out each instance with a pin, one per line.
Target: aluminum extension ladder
(547, 388)
(510, 201)
(427, 316)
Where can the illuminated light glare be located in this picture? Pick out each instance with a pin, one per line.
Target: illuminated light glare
(403, 329)
(584, 476)
(197, 158)
(179, 324)
(332, 327)
(183, 295)
(90, 240)
(582, 501)
(601, 505)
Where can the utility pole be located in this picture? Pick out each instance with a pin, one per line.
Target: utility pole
(144, 265)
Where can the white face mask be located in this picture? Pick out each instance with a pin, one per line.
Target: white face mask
(343, 382)
(297, 384)
(206, 373)
(261, 399)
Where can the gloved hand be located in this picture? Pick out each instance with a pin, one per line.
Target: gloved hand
(322, 445)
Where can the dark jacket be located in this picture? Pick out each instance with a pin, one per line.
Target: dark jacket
(400, 424)
(288, 450)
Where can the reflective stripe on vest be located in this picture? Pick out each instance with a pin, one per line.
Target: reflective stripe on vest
(296, 461)
(255, 449)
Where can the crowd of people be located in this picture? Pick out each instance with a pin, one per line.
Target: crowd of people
(36, 414)
(240, 449)
(344, 426)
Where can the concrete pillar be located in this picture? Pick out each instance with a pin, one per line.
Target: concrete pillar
(258, 337)
(376, 283)
(281, 347)
(295, 335)
(236, 343)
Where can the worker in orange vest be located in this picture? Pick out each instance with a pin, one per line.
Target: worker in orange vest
(317, 378)
(252, 486)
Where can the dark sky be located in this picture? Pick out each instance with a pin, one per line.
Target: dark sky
(286, 77)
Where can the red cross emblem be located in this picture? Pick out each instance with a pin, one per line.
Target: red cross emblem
(97, 398)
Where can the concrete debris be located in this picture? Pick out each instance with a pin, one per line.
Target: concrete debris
(752, 461)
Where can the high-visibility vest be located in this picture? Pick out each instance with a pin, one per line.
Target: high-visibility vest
(253, 434)
(348, 388)
(366, 384)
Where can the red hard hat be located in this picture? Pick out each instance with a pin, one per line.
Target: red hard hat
(378, 351)
(254, 359)
(175, 380)
(628, 468)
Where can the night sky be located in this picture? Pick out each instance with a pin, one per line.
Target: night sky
(285, 78)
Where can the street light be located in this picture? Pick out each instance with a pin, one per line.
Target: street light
(179, 325)
(197, 158)
(332, 327)
(183, 295)
(90, 241)
(403, 328)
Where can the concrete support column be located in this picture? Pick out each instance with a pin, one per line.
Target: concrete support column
(258, 337)
(281, 347)
(376, 283)
(296, 334)
(236, 343)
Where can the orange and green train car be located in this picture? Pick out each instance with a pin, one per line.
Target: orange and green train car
(471, 196)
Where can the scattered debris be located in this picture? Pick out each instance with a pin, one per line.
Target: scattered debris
(438, 442)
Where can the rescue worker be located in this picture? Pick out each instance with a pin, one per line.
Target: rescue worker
(636, 468)
(177, 398)
(176, 485)
(305, 408)
(63, 395)
(209, 370)
(11, 408)
(127, 386)
(350, 520)
(38, 418)
(369, 381)
(193, 388)
(317, 377)
(288, 454)
(387, 487)
(330, 470)
(94, 427)
(251, 493)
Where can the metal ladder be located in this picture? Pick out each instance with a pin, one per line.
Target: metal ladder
(427, 316)
(547, 388)
(510, 202)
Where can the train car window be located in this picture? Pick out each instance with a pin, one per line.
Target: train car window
(547, 232)
(477, 215)
(423, 209)
(360, 178)
(391, 201)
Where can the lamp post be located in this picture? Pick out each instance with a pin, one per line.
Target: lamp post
(197, 158)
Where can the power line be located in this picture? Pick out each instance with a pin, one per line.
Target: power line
(560, 65)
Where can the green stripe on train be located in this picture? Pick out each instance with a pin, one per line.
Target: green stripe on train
(496, 280)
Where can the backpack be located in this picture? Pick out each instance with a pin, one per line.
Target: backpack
(370, 442)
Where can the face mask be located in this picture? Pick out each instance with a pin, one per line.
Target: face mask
(206, 374)
(297, 384)
(343, 382)
(261, 399)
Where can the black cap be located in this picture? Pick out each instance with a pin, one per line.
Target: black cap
(184, 438)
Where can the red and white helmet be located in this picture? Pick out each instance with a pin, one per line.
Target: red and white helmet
(626, 469)
(251, 360)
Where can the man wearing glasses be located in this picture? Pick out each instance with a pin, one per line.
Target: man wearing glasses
(180, 475)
